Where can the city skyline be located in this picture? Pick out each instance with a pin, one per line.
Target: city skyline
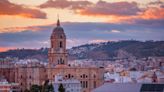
(85, 21)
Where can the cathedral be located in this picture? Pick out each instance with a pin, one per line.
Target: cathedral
(89, 77)
(35, 73)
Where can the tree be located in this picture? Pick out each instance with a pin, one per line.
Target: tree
(47, 87)
(50, 88)
(61, 88)
(35, 88)
(26, 90)
(44, 87)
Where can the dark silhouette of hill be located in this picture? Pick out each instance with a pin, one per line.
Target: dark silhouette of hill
(106, 50)
(40, 54)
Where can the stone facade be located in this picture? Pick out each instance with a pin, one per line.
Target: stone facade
(89, 77)
(7, 70)
(28, 76)
(34, 73)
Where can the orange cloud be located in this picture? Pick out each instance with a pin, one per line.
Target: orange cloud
(3, 49)
(153, 13)
(7, 8)
(20, 29)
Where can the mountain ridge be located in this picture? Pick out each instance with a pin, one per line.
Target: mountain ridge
(96, 51)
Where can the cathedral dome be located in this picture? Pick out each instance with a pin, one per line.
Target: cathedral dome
(58, 30)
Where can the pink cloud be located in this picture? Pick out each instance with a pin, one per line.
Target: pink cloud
(65, 4)
(98, 41)
(7, 8)
(117, 8)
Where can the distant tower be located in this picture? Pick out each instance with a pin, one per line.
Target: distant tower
(57, 54)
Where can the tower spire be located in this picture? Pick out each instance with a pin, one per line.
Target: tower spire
(58, 21)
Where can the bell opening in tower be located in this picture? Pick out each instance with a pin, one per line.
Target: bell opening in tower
(61, 44)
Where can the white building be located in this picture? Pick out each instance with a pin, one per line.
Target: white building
(5, 86)
(70, 85)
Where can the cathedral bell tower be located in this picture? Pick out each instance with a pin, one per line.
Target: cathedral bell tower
(57, 53)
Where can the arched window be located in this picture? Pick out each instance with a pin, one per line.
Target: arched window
(83, 84)
(61, 44)
(86, 84)
(84, 76)
(69, 75)
(94, 84)
(61, 61)
(58, 61)
(61, 36)
(94, 76)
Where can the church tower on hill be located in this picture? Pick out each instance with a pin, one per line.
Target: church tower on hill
(57, 54)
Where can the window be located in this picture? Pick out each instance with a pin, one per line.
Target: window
(61, 45)
(94, 84)
(83, 75)
(58, 62)
(69, 75)
(61, 36)
(94, 76)
(86, 84)
(63, 62)
(83, 84)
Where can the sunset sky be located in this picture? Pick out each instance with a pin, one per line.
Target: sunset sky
(29, 23)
